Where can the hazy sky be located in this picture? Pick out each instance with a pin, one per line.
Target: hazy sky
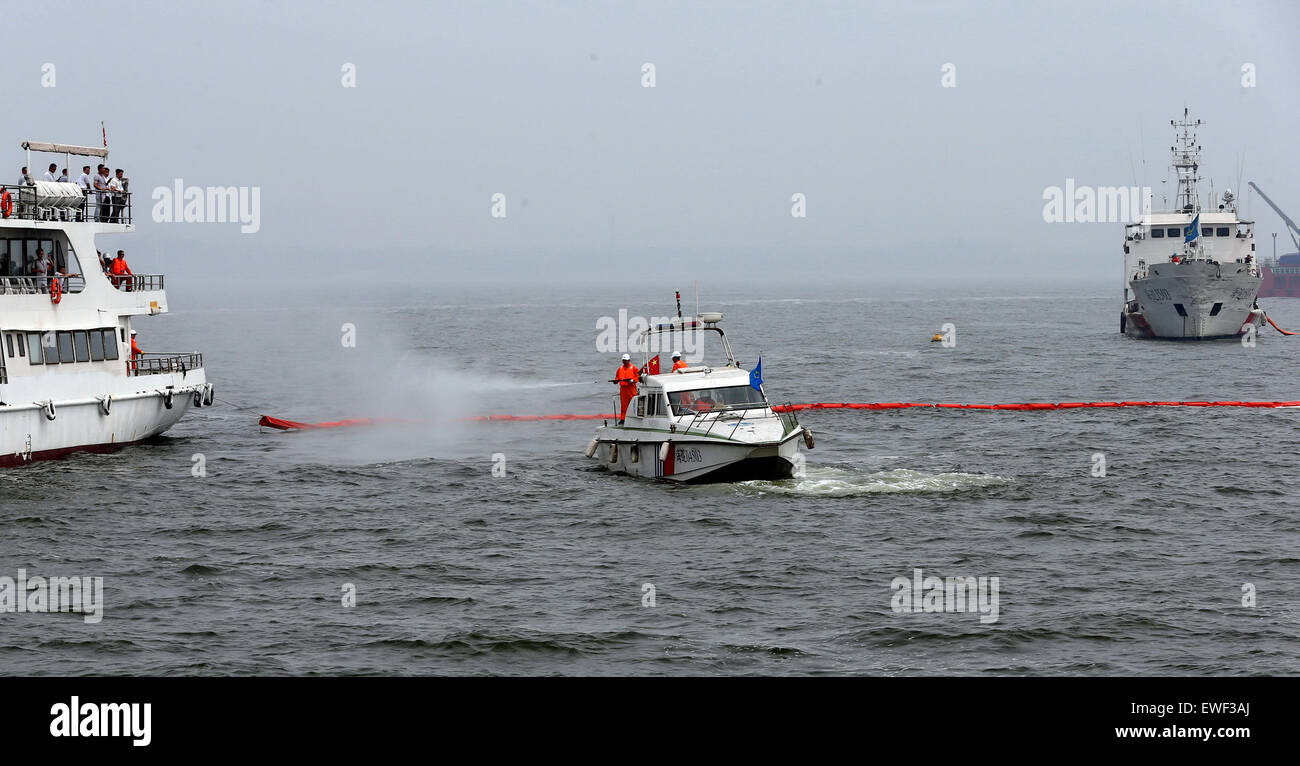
(754, 102)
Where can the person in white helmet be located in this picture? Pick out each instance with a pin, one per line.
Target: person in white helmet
(626, 378)
(678, 364)
(135, 352)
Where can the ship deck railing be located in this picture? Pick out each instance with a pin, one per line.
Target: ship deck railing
(21, 285)
(135, 283)
(94, 205)
(157, 363)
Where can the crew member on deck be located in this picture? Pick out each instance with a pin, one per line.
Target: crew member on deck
(626, 379)
(135, 352)
(678, 364)
(121, 271)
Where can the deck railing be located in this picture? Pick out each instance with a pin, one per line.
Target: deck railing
(105, 207)
(71, 283)
(157, 363)
(136, 282)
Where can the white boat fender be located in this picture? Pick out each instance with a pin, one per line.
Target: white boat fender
(807, 438)
(209, 394)
(106, 404)
(663, 451)
(50, 413)
(198, 398)
(636, 453)
(167, 398)
(591, 448)
(613, 452)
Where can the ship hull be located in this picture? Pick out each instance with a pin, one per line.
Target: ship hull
(1280, 285)
(1197, 300)
(27, 434)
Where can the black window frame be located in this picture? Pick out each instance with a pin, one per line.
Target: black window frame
(96, 336)
(110, 345)
(1157, 233)
(33, 358)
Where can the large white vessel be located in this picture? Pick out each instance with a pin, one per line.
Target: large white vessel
(68, 381)
(700, 423)
(1191, 272)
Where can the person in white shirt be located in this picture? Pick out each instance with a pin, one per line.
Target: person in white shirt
(116, 185)
(85, 181)
(25, 178)
(102, 199)
(63, 178)
(50, 175)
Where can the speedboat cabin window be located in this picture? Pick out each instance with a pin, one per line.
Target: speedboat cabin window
(1157, 233)
(715, 399)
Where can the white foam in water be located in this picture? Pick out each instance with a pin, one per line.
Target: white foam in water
(839, 482)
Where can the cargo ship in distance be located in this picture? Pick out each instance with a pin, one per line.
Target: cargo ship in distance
(68, 381)
(1281, 275)
(1203, 284)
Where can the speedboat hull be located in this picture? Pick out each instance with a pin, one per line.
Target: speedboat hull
(693, 459)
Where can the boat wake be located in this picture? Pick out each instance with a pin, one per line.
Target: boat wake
(841, 482)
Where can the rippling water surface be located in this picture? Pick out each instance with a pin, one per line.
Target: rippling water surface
(542, 571)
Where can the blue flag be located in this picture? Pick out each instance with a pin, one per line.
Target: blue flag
(756, 376)
(1194, 230)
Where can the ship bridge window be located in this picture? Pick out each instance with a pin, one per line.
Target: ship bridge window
(1207, 231)
(1157, 233)
(18, 258)
(67, 354)
(1222, 231)
(1174, 231)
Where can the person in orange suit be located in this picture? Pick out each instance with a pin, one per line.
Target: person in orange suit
(626, 379)
(120, 270)
(135, 349)
(678, 364)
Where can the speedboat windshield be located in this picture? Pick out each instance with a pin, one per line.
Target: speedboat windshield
(696, 401)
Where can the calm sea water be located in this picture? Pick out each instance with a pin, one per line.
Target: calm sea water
(542, 571)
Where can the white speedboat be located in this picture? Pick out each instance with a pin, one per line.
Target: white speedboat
(700, 423)
(68, 380)
(1191, 273)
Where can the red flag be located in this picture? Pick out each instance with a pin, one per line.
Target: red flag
(105, 131)
(652, 366)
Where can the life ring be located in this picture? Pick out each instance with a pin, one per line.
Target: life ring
(106, 404)
(6, 204)
(56, 290)
(167, 398)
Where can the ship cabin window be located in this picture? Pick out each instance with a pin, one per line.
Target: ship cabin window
(9, 341)
(34, 343)
(83, 345)
(1207, 231)
(1222, 231)
(97, 345)
(1174, 231)
(67, 354)
(1157, 233)
(110, 344)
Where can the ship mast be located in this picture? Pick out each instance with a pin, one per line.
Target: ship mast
(1187, 162)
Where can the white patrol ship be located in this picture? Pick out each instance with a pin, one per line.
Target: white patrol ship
(1191, 273)
(68, 381)
(701, 423)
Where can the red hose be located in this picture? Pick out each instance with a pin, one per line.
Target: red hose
(1275, 327)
